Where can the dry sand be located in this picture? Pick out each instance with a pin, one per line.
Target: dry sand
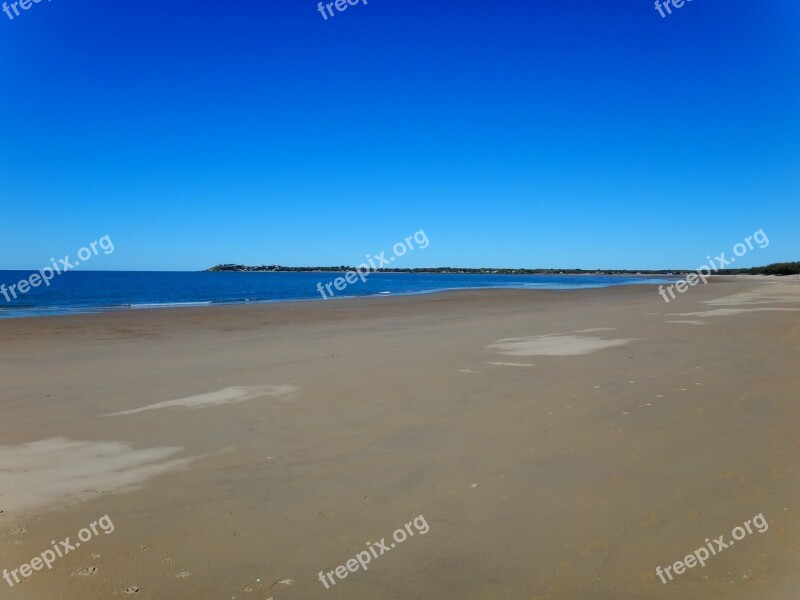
(560, 445)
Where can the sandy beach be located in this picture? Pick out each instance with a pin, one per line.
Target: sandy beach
(559, 445)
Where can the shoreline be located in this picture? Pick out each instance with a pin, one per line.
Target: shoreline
(211, 303)
(379, 295)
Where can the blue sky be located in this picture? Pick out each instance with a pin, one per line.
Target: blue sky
(530, 133)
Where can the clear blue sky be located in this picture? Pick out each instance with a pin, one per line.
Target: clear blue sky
(527, 133)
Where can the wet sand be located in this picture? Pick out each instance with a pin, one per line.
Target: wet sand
(559, 445)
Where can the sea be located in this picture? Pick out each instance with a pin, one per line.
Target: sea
(95, 291)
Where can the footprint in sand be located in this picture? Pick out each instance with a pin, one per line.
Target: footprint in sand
(84, 571)
(132, 590)
(249, 588)
(183, 574)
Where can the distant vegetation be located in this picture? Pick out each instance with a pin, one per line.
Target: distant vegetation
(787, 268)
(790, 268)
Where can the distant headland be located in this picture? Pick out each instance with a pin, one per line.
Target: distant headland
(786, 268)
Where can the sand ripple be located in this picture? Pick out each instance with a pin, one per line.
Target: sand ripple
(554, 345)
(229, 395)
(59, 471)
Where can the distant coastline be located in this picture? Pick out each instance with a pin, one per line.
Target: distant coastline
(787, 268)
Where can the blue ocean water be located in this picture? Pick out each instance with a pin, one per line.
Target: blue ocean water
(93, 291)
